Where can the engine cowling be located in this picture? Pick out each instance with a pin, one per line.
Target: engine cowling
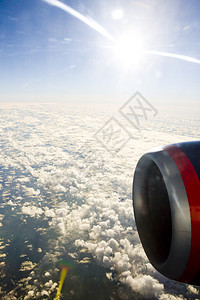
(166, 201)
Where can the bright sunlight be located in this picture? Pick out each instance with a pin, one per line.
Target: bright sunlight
(128, 49)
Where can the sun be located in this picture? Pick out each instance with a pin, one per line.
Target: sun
(129, 49)
(117, 14)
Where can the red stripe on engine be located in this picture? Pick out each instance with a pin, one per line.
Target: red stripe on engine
(192, 187)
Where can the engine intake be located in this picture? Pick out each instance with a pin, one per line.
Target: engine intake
(166, 201)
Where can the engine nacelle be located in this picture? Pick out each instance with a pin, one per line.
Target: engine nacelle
(166, 201)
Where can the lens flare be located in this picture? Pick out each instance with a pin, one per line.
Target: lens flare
(88, 21)
(65, 266)
(174, 55)
(129, 49)
(62, 279)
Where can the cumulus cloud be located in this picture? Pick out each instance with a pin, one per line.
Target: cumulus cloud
(145, 285)
(49, 212)
(27, 266)
(83, 194)
(170, 297)
(192, 290)
(10, 203)
(31, 210)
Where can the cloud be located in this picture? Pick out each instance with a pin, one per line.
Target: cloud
(32, 211)
(49, 212)
(83, 200)
(170, 297)
(27, 266)
(30, 295)
(10, 203)
(145, 285)
(32, 192)
(192, 290)
(185, 28)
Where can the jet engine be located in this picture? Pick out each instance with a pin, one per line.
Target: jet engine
(166, 201)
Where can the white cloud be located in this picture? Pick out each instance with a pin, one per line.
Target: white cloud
(192, 290)
(44, 293)
(145, 285)
(32, 192)
(87, 202)
(49, 212)
(170, 297)
(10, 203)
(32, 211)
(186, 28)
(27, 266)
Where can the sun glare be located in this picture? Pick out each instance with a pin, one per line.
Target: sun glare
(117, 14)
(129, 49)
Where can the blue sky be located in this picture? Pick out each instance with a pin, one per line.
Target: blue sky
(48, 55)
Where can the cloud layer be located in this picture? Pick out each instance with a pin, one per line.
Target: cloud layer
(68, 197)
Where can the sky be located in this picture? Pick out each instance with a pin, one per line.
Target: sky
(49, 55)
